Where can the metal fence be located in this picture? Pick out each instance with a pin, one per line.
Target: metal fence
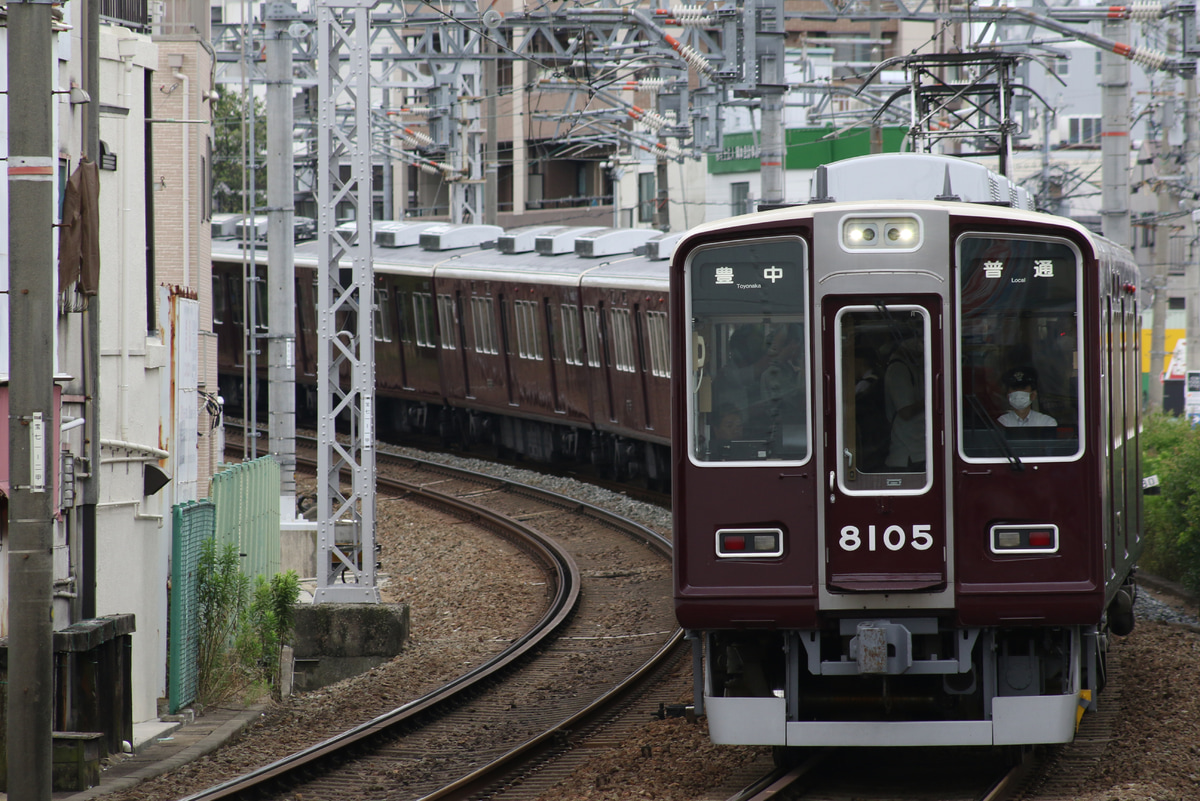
(191, 524)
(247, 500)
(242, 510)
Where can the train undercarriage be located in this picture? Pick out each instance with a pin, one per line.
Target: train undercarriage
(613, 456)
(898, 681)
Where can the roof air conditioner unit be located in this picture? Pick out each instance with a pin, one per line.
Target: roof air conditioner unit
(562, 241)
(612, 241)
(397, 234)
(663, 246)
(449, 236)
(524, 240)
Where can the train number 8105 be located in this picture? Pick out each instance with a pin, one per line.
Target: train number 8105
(894, 538)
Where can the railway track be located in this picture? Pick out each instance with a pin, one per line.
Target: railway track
(606, 636)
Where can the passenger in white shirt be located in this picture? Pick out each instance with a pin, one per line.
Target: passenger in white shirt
(1022, 392)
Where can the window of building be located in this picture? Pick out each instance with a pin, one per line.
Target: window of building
(1084, 131)
(646, 197)
(739, 196)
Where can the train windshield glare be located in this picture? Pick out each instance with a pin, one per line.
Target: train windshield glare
(749, 352)
(1019, 348)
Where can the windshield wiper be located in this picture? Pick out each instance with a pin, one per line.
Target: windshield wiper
(993, 428)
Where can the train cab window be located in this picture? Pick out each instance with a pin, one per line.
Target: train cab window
(1020, 348)
(883, 382)
(749, 348)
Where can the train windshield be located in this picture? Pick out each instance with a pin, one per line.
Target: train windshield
(884, 381)
(749, 350)
(1019, 348)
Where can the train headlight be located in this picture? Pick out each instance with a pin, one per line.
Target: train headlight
(858, 234)
(901, 234)
(1024, 539)
(749, 542)
(904, 233)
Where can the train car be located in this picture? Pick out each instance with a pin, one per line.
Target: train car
(624, 312)
(906, 473)
(480, 344)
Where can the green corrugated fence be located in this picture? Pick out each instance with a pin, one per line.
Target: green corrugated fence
(191, 524)
(247, 500)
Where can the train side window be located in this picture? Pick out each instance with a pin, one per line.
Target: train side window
(382, 315)
(749, 347)
(261, 305)
(423, 319)
(1020, 348)
(619, 321)
(572, 342)
(529, 345)
(447, 322)
(591, 330)
(236, 311)
(219, 300)
(483, 320)
(660, 352)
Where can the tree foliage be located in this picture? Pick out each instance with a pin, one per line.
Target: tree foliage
(1171, 450)
(231, 176)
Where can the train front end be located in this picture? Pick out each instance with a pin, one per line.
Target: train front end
(905, 468)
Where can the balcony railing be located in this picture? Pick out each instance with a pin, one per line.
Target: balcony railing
(133, 14)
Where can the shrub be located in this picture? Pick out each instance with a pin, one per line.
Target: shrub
(241, 631)
(1171, 449)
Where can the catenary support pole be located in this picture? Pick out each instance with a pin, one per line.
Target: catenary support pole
(281, 281)
(32, 170)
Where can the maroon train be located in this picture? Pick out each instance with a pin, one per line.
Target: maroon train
(906, 471)
(483, 337)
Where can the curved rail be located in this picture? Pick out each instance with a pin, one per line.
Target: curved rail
(558, 564)
(565, 574)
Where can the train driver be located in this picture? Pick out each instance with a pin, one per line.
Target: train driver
(1021, 384)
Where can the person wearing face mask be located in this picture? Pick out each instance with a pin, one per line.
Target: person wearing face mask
(1021, 384)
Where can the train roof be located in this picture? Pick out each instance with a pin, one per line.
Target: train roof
(476, 263)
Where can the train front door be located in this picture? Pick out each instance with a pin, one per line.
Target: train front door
(884, 483)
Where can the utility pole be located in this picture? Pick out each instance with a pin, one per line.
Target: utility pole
(1114, 139)
(1162, 250)
(1191, 160)
(32, 170)
(281, 280)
